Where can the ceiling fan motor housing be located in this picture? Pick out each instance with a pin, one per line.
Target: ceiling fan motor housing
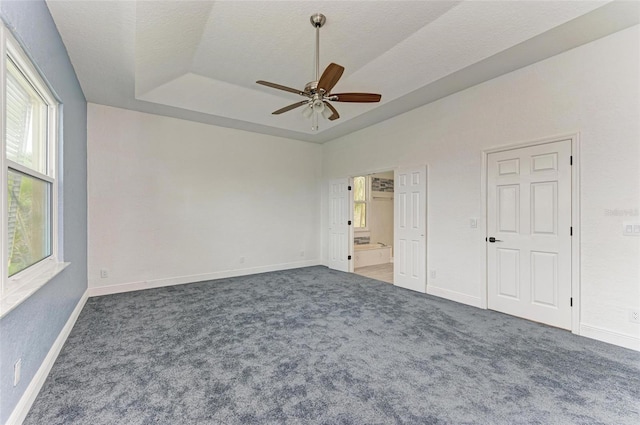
(311, 87)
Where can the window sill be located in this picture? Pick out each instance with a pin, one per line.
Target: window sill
(29, 286)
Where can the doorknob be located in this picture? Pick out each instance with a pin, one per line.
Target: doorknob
(492, 239)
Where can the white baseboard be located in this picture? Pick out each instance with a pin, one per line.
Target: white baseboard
(26, 401)
(181, 280)
(611, 337)
(454, 296)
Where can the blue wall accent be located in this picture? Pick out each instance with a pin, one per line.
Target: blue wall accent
(30, 330)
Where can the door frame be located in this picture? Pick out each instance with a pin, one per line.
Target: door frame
(352, 264)
(575, 218)
(393, 168)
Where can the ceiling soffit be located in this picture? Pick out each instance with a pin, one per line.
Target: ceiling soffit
(200, 60)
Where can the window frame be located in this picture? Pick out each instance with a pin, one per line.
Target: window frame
(367, 194)
(17, 288)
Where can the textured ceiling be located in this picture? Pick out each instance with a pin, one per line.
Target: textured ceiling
(199, 60)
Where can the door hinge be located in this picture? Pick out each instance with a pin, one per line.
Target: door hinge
(349, 223)
(571, 231)
(571, 302)
(349, 257)
(571, 160)
(348, 187)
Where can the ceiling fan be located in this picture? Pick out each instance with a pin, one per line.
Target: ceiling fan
(318, 92)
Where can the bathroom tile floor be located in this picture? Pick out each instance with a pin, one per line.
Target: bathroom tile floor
(383, 272)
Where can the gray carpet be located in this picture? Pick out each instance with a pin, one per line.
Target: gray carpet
(315, 346)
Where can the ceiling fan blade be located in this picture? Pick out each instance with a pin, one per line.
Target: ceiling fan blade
(330, 77)
(335, 114)
(280, 87)
(355, 97)
(290, 107)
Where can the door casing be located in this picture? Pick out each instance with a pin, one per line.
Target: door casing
(351, 230)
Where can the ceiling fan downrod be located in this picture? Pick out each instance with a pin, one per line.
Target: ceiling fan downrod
(318, 20)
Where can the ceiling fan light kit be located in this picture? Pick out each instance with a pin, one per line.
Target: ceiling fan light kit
(318, 92)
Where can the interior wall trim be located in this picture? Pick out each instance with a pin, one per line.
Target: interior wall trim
(454, 296)
(611, 337)
(182, 280)
(26, 401)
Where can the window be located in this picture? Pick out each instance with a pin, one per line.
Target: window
(360, 196)
(28, 185)
(28, 171)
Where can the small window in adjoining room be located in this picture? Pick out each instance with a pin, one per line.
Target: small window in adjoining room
(29, 185)
(360, 203)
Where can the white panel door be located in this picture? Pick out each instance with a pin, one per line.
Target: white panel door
(529, 217)
(410, 229)
(339, 224)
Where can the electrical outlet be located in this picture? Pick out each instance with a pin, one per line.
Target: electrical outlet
(634, 316)
(432, 274)
(241, 260)
(104, 273)
(17, 369)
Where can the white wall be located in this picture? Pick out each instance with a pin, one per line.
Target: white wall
(381, 214)
(173, 201)
(381, 219)
(593, 90)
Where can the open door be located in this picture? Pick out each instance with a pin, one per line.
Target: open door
(339, 217)
(410, 229)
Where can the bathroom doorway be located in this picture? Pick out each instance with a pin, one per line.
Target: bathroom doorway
(373, 225)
